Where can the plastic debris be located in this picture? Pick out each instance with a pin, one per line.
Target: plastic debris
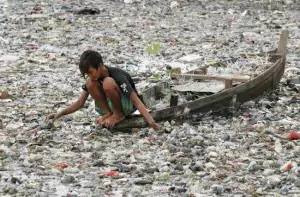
(233, 152)
(62, 165)
(174, 4)
(111, 173)
(288, 166)
(293, 136)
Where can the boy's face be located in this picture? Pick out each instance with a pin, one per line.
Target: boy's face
(94, 73)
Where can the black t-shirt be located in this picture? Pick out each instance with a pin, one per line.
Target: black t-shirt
(122, 78)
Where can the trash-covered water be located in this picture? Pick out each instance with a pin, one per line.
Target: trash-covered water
(244, 153)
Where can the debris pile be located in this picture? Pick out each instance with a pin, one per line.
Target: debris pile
(252, 151)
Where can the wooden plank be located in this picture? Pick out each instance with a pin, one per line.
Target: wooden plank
(278, 74)
(255, 91)
(282, 44)
(212, 77)
(228, 84)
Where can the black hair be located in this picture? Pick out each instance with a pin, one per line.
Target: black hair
(89, 58)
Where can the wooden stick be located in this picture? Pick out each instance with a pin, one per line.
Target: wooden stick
(282, 44)
(212, 77)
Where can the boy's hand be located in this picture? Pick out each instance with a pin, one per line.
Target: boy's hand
(155, 126)
(51, 117)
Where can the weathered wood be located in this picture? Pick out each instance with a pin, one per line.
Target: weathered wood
(228, 84)
(277, 75)
(212, 77)
(282, 44)
(151, 93)
(243, 92)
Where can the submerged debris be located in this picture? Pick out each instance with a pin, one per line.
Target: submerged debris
(88, 11)
(233, 153)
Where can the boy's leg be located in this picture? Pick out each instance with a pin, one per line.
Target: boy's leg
(113, 93)
(97, 92)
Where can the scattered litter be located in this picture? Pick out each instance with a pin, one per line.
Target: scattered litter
(86, 11)
(62, 165)
(226, 153)
(111, 173)
(9, 58)
(287, 166)
(293, 136)
(204, 86)
(190, 58)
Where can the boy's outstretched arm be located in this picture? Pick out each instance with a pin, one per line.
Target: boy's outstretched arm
(78, 104)
(142, 109)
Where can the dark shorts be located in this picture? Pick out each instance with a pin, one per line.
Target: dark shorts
(127, 106)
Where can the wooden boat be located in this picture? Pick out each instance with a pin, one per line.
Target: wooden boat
(230, 96)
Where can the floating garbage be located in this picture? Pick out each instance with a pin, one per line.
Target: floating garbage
(111, 173)
(293, 136)
(236, 152)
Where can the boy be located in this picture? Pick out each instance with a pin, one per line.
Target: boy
(112, 89)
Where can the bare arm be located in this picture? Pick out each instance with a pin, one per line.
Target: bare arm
(74, 106)
(142, 109)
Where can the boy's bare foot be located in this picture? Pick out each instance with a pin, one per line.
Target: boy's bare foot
(102, 118)
(113, 120)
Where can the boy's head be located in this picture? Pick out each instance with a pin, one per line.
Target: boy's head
(91, 64)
